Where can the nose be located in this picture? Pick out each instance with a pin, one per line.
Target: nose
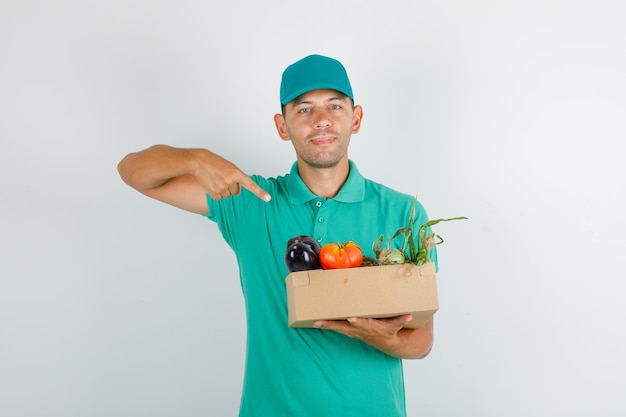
(322, 119)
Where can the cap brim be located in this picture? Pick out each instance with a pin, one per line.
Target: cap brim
(297, 93)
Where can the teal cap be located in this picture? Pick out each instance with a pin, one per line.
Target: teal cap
(314, 72)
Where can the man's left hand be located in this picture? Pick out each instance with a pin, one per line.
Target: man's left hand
(366, 329)
(386, 335)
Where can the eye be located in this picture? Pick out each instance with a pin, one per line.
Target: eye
(335, 106)
(304, 110)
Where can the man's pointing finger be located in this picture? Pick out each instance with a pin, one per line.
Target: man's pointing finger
(254, 188)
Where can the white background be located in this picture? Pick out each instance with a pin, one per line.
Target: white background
(508, 112)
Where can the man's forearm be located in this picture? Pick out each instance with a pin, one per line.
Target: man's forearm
(154, 166)
(411, 343)
(386, 335)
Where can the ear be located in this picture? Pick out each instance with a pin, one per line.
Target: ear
(281, 127)
(357, 116)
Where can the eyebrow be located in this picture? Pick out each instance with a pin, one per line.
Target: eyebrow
(299, 101)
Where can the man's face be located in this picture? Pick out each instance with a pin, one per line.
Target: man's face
(319, 125)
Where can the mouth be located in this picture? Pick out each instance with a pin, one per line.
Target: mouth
(321, 140)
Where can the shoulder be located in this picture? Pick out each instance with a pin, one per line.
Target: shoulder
(376, 189)
(390, 200)
(240, 215)
(275, 186)
(269, 181)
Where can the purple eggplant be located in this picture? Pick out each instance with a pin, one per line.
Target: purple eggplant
(308, 240)
(300, 257)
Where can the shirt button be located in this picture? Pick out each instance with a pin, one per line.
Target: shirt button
(318, 204)
(320, 219)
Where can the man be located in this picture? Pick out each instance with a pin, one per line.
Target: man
(340, 368)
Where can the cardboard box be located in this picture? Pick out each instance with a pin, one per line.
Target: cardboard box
(373, 291)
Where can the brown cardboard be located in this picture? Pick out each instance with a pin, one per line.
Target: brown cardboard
(373, 291)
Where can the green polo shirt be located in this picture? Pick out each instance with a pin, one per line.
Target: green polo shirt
(309, 372)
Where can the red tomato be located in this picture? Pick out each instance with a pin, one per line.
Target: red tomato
(340, 255)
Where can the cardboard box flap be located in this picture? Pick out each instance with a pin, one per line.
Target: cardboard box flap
(300, 278)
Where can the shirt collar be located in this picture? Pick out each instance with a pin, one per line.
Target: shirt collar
(352, 191)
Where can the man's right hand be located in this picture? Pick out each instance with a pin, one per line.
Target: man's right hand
(221, 178)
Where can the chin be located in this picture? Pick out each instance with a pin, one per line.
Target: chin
(323, 161)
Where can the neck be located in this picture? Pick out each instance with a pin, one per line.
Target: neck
(324, 182)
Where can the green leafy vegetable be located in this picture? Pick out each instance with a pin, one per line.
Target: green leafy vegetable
(418, 253)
